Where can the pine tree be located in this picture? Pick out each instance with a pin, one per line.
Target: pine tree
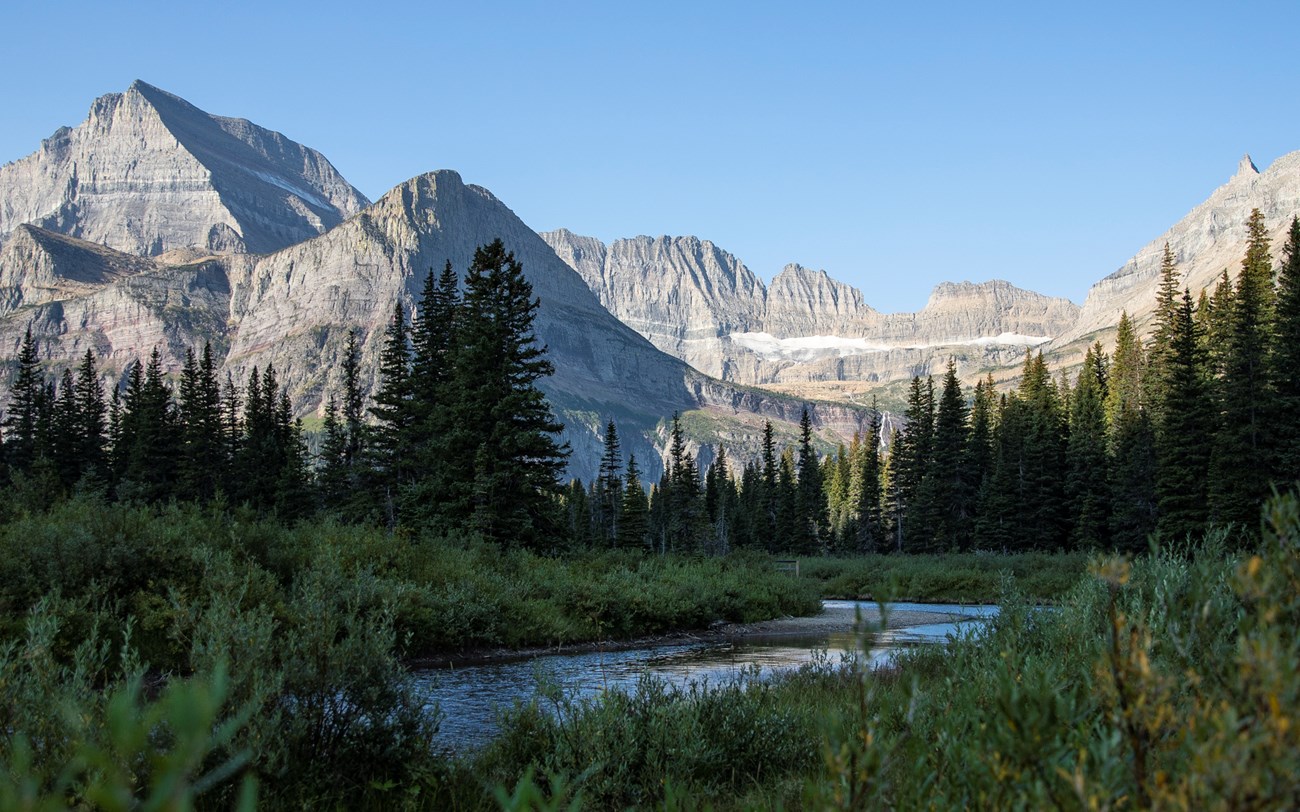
(1045, 512)
(979, 448)
(720, 505)
(908, 458)
(768, 494)
(433, 344)
(331, 467)
(951, 488)
(1284, 360)
(1241, 462)
(94, 415)
(1156, 377)
(577, 510)
(394, 417)
(1131, 445)
(810, 500)
(150, 442)
(608, 489)
(65, 438)
(870, 536)
(1087, 485)
(26, 403)
(682, 498)
(1183, 436)
(203, 452)
(633, 526)
(502, 420)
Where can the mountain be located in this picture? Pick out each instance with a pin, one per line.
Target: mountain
(1208, 240)
(294, 306)
(701, 304)
(147, 173)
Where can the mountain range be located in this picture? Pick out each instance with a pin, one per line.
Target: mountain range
(153, 223)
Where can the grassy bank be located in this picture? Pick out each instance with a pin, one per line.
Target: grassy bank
(949, 578)
(1163, 683)
(293, 640)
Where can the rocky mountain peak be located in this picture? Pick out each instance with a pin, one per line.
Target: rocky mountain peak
(1246, 167)
(147, 172)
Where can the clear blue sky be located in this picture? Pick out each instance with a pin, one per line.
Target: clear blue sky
(894, 145)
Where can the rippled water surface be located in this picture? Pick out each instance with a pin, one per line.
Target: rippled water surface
(470, 697)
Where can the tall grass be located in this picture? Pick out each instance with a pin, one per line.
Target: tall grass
(308, 628)
(1162, 683)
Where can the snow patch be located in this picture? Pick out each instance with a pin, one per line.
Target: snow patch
(811, 348)
(291, 189)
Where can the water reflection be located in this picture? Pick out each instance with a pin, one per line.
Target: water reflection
(470, 697)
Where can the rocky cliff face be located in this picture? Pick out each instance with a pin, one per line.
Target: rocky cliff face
(701, 304)
(1210, 239)
(147, 173)
(293, 307)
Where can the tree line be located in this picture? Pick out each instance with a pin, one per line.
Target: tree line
(458, 434)
(1191, 428)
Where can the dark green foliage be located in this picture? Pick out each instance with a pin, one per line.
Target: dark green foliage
(1187, 423)
(394, 416)
(503, 425)
(607, 490)
(950, 483)
(1285, 359)
(204, 464)
(633, 515)
(1087, 485)
(909, 456)
(92, 413)
(869, 528)
(148, 449)
(1131, 445)
(1242, 456)
(26, 403)
(678, 521)
(810, 500)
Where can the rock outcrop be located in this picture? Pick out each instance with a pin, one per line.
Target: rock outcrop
(701, 304)
(147, 173)
(1209, 240)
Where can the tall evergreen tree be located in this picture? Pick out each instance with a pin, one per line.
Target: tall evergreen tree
(150, 441)
(768, 494)
(1241, 462)
(394, 417)
(26, 403)
(1087, 484)
(1131, 445)
(810, 500)
(720, 500)
(1183, 436)
(870, 536)
(908, 458)
(1156, 376)
(950, 486)
(94, 419)
(1285, 360)
(608, 489)
(203, 448)
(65, 438)
(502, 420)
(633, 524)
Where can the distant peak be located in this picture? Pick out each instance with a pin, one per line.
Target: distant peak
(1246, 167)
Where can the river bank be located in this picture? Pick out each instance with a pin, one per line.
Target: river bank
(836, 617)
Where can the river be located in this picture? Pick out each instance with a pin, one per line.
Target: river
(470, 697)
